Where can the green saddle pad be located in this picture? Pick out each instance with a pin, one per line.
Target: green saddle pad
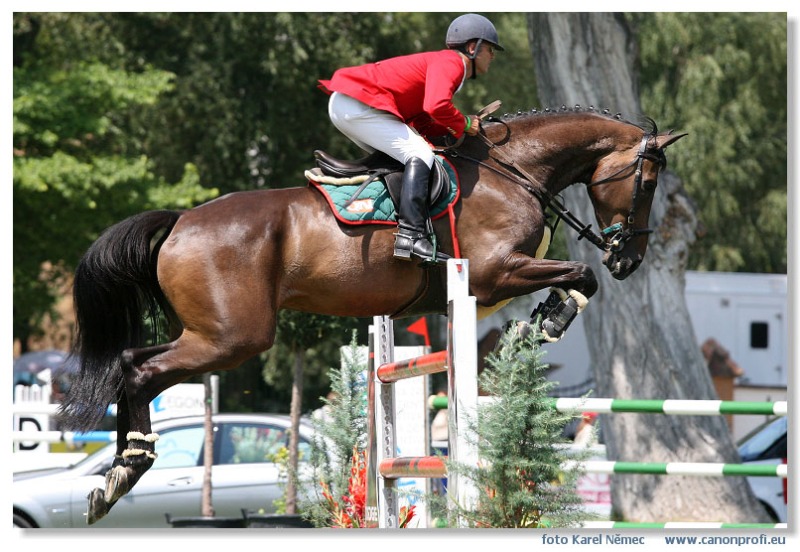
(374, 205)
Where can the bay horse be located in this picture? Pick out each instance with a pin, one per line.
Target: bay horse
(220, 272)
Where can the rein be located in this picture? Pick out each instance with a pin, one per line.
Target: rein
(620, 235)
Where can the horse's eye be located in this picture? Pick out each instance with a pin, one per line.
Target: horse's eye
(649, 186)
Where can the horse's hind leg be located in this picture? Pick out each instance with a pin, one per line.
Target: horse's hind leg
(148, 372)
(135, 449)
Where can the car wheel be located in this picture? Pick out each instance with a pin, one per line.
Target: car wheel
(22, 522)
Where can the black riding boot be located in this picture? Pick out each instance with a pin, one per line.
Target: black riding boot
(411, 238)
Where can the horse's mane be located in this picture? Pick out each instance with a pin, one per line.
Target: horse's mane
(575, 110)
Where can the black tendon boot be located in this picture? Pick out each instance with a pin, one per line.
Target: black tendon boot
(411, 239)
(558, 312)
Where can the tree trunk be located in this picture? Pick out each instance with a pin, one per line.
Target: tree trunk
(640, 336)
(294, 436)
(206, 504)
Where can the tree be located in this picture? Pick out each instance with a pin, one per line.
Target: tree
(724, 82)
(339, 443)
(300, 332)
(521, 479)
(639, 332)
(73, 176)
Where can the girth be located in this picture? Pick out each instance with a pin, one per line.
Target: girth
(378, 165)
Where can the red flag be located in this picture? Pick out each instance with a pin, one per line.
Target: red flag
(420, 327)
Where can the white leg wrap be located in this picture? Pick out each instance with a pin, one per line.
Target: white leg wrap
(580, 299)
(139, 436)
(133, 452)
(138, 452)
(560, 292)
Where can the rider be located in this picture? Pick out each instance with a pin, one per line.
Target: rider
(391, 105)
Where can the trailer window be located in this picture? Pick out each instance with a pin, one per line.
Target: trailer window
(759, 335)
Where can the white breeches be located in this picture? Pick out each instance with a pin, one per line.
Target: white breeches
(373, 129)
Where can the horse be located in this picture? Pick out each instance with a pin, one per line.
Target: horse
(220, 272)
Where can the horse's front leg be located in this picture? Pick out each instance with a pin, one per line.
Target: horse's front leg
(557, 312)
(571, 284)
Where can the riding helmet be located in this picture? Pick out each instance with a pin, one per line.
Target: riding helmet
(472, 26)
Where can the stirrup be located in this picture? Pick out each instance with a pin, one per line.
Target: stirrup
(404, 249)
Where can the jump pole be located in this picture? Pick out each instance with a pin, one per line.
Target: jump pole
(680, 525)
(384, 467)
(657, 406)
(698, 469)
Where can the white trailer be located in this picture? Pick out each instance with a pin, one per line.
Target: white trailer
(748, 315)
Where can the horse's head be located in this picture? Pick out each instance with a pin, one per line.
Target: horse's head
(622, 190)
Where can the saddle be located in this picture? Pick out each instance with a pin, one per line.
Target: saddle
(377, 166)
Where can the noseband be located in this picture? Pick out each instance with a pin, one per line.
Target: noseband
(619, 235)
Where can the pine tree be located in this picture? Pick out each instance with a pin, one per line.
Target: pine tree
(521, 480)
(340, 436)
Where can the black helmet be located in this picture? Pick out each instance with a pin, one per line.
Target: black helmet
(472, 26)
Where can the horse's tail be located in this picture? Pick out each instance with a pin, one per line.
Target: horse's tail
(115, 288)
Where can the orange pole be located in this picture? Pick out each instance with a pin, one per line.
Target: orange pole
(413, 466)
(419, 366)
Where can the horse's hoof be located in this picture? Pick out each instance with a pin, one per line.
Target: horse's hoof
(98, 506)
(117, 483)
(523, 330)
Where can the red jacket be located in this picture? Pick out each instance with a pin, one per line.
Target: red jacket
(418, 88)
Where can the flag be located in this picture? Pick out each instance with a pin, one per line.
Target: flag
(420, 327)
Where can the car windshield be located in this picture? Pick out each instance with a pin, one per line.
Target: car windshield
(762, 439)
(248, 443)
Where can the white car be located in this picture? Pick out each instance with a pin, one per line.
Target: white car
(767, 445)
(243, 476)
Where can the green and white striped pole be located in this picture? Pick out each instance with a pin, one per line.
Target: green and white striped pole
(679, 525)
(671, 406)
(656, 406)
(700, 469)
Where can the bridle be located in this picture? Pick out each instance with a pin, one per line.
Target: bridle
(622, 235)
(619, 235)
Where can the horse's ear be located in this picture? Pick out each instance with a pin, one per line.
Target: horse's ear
(665, 140)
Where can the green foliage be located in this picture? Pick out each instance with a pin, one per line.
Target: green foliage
(339, 431)
(74, 108)
(318, 336)
(520, 479)
(281, 461)
(722, 77)
(76, 171)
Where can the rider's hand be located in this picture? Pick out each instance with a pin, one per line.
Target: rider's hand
(474, 126)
